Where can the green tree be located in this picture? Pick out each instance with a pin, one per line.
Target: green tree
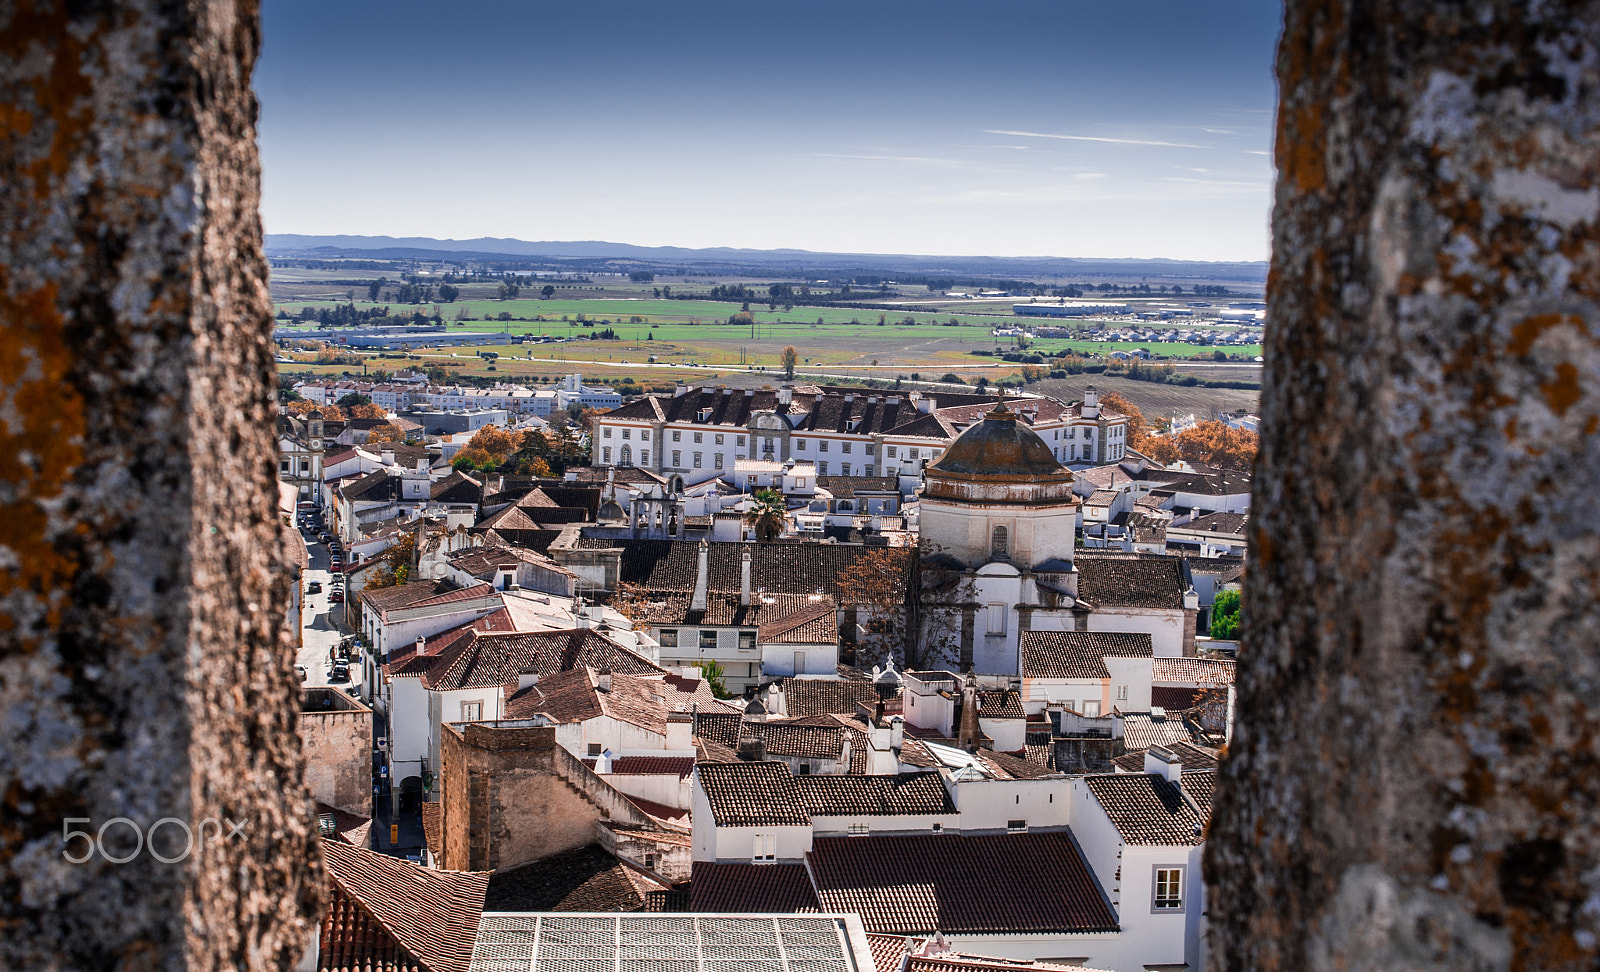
(353, 399)
(767, 515)
(791, 357)
(711, 670)
(1225, 615)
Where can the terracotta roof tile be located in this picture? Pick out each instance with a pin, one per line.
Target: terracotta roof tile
(586, 879)
(1148, 581)
(1141, 730)
(815, 624)
(1001, 704)
(1149, 810)
(1077, 654)
(959, 884)
(818, 696)
(479, 660)
(751, 888)
(752, 795)
(911, 793)
(1198, 672)
(386, 913)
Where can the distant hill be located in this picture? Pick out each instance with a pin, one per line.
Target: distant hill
(597, 254)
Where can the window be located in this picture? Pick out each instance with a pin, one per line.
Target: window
(1168, 895)
(805, 769)
(627, 455)
(699, 437)
(741, 440)
(677, 436)
(697, 460)
(765, 850)
(747, 641)
(594, 749)
(471, 711)
(800, 483)
(870, 449)
(283, 465)
(997, 619)
(800, 662)
(858, 830)
(1000, 544)
(914, 453)
(822, 469)
(889, 451)
(800, 445)
(718, 458)
(938, 828)
(650, 862)
(669, 637)
(627, 433)
(644, 457)
(605, 454)
(1016, 826)
(822, 446)
(677, 459)
(845, 447)
(719, 438)
(708, 639)
(605, 432)
(1122, 693)
(1091, 708)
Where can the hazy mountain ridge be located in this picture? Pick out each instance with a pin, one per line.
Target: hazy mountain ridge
(594, 252)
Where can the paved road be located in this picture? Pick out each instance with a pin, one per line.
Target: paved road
(323, 622)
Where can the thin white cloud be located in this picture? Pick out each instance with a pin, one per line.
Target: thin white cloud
(1255, 152)
(1092, 138)
(919, 159)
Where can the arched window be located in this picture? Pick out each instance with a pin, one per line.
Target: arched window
(627, 456)
(1000, 544)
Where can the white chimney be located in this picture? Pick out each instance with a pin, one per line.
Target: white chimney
(1163, 762)
(698, 603)
(602, 763)
(603, 681)
(386, 457)
(680, 391)
(422, 647)
(744, 580)
(785, 394)
(844, 756)
(527, 680)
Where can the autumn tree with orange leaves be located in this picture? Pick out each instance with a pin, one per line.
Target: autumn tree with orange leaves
(1138, 430)
(368, 411)
(387, 432)
(1216, 444)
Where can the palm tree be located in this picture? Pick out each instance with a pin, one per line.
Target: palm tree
(767, 514)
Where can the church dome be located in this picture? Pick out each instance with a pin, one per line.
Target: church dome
(998, 446)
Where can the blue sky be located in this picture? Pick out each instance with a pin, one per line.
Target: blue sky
(1114, 129)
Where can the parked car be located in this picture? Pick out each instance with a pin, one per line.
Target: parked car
(323, 538)
(337, 597)
(315, 587)
(339, 673)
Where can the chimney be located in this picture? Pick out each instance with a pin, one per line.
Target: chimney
(967, 737)
(422, 647)
(844, 755)
(744, 580)
(602, 763)
(698, 603)
(386, 457)
(1163, 762)
(527, 680)
(785, 394)
(680, 391)
(752, 749)
(897, 732)
(603, 681)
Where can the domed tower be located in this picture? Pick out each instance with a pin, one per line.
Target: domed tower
(999, 495)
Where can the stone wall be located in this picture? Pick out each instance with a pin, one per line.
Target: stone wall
(337, 742)
(1415, 779)
(145, 671)
(512, 795)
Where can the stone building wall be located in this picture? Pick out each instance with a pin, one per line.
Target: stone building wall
(513, 795)
(337, 743)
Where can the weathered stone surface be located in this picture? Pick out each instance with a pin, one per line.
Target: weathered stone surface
(1415, 783)
(143, 672)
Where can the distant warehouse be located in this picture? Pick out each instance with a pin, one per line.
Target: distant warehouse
(1072, 309)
